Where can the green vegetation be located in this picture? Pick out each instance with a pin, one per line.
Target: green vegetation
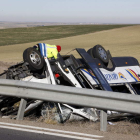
(26, 35)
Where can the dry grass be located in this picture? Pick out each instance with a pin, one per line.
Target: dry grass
(125, 127)
(121, 42)
(119, 127)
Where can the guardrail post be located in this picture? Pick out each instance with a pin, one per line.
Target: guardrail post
(21, 109)
(103, 120)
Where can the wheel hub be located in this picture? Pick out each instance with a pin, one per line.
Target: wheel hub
(35, 58)
(102, 53)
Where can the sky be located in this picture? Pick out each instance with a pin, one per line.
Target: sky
(87, 11)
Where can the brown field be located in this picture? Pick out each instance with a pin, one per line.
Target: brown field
(121, 42)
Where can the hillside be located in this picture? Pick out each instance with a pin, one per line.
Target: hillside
(30, 34)
(123, 41)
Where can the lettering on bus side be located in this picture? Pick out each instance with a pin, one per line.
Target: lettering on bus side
(112, 76)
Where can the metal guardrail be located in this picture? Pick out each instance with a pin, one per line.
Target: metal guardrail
(104, 100)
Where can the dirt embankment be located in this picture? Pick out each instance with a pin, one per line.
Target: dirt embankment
(4, 66)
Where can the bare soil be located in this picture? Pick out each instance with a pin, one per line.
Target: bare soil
(4, 66)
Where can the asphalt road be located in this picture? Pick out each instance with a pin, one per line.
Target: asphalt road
(9, 134)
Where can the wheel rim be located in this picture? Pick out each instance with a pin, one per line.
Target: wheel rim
(35, 58)
(102, 53)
